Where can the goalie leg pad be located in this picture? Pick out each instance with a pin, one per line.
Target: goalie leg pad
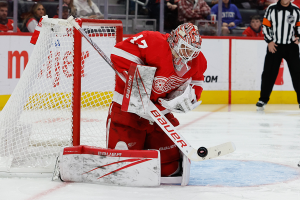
(109, 166)
(171, 168)
(127, 127)
(169, 152)
(132, 137)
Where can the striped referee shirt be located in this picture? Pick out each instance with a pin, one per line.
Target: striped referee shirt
(281, 24)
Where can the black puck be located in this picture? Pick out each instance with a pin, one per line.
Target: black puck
(202, 152)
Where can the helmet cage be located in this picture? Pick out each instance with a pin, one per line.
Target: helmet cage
(186, 51)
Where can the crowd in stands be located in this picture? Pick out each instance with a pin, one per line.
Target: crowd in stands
(5, 23)
(231, 16)
(32, 18)
(239, 17)
(31, 11)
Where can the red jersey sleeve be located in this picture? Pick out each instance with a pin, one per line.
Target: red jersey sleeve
(198, 80)
(250, 33)
(36, 32)
(199, 66)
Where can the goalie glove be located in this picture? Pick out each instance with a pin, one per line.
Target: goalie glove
(181, 100)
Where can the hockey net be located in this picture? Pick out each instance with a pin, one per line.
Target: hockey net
(62, 98)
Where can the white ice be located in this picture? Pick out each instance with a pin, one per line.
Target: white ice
(263, 167)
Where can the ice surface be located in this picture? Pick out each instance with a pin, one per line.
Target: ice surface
(263, 167)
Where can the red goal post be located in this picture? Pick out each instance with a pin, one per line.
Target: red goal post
(62, 97)
(77, 65)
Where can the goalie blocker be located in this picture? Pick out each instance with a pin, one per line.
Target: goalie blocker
(115, 167)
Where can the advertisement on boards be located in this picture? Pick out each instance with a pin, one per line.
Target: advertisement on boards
(216, 52)
(248, 58)
(14, 55)
(245, 65)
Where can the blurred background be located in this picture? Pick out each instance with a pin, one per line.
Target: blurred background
(139, 15)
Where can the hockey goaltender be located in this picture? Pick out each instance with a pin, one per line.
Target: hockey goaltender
(164, 74)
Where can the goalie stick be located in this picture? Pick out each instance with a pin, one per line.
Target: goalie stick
(195, 155)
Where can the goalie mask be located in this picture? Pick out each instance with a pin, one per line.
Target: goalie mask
(185, 42)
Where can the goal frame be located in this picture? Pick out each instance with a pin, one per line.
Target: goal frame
(77, 68)
(76, 103)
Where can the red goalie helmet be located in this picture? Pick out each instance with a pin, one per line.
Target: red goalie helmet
(186, 41)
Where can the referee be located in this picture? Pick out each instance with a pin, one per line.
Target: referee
(281, 28)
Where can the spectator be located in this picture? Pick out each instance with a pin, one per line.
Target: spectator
(6, 25)
(141, 10)
(65, 11)
(131, 6)
(32, 18)
(266, 3)
(154, 8)
(231, 16)
(171, 15)
(214, 2)
(154, 11)
(191, 10)
(247, 4)
(254, 30)
(72, 8)
(87, 9)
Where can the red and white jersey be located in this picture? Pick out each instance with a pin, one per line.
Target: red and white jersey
(8, 27)
(266, 3)
(36, 32)
(31, 24)
(152, 49)
(249, 32)
(296, 2)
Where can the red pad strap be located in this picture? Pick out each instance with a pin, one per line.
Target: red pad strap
(128, 87)
(110, 152)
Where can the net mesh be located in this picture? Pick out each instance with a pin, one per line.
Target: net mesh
(37, 120)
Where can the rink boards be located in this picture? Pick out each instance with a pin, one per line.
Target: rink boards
(233, 73)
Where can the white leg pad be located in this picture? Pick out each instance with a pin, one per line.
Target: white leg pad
(109, 166)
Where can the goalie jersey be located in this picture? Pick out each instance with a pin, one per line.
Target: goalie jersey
(152, 49)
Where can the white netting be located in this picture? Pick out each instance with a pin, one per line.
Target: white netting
(37, 120)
